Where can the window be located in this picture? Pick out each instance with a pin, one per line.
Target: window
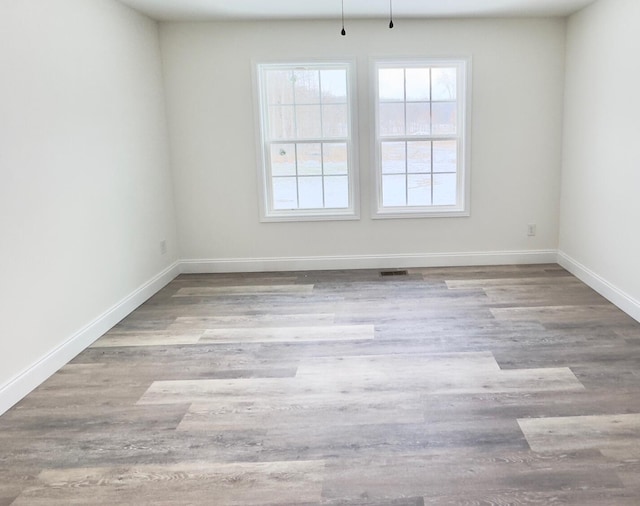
(307, 168)
(421, 120)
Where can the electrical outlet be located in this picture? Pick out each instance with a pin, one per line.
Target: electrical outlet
(531, 229)
(163, 247)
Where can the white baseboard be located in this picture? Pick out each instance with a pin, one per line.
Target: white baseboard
(366, 261)
(19, 386)
(608, 290)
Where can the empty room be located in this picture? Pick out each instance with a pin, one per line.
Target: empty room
(343, 252)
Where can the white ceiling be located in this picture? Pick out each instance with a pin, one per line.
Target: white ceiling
(330, 9)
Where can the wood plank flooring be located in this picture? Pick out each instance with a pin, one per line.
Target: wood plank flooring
(499, 385)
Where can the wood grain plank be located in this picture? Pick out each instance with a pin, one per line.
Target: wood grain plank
(578, 315)
(557, 295)
(251, 320)
(235, 484)
(249, 289)
(525, 283)
(115, 339)
(455, 373)
(468, 476)
(297, 412)
(289, 334)
(613, 432)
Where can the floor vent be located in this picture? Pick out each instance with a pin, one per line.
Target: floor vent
(393, 273)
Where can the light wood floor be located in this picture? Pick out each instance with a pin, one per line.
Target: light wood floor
(466, 386)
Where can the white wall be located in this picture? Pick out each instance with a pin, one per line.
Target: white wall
(599, 238)
(518, 80)
(85, 187)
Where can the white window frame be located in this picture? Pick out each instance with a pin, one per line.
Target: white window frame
(267, 211)
(463, 99)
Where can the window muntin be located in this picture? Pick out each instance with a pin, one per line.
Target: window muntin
(308, 169)
(420, 137)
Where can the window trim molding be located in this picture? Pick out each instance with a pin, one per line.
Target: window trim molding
(267, 213)
(463, 207)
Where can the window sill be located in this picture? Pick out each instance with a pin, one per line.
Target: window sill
(309, 216)
(393, 214)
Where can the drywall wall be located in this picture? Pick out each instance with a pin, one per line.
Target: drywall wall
(601, 170)
(518, 79)
(85, 186)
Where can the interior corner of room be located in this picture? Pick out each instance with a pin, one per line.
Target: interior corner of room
(128, 156)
